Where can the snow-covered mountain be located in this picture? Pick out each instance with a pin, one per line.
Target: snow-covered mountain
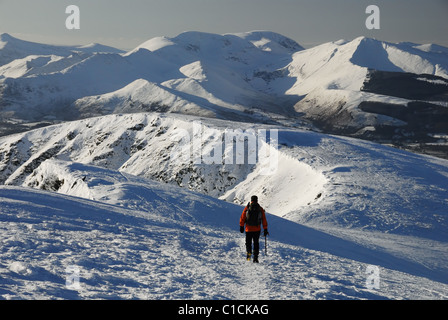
(205, 69)
(136, 190)
(393, 93)
(344, 87)
(12, 49)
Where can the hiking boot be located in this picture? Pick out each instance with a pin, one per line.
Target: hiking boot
(255, 259)
(248, 256)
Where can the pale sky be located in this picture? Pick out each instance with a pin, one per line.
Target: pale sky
(126, 24)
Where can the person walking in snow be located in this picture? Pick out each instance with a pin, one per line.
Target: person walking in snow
(253, 216)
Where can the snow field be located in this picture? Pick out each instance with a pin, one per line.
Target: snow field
(125, 254)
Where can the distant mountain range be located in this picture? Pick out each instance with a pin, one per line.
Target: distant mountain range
(391, 93)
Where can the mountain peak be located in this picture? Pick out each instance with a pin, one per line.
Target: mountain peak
(362, 40)
(267, 40)
(398, 57)
(195, 40)
(98, 48)
(6, 38)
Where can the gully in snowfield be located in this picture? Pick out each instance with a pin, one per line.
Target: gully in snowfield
(253, 216)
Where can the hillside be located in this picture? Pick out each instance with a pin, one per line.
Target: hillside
(330, 215)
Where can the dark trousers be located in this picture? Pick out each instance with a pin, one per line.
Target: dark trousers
(255, 237)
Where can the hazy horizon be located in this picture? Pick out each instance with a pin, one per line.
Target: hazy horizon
(126, 25)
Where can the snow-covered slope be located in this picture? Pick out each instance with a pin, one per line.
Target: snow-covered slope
(143, 145)
(342, 68)
(184, 246)
(139, 96)
(312, 174)
(345, 200)
(336, 205)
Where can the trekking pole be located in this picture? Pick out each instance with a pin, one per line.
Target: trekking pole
(265, 245)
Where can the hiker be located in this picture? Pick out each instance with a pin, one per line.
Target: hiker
(253, 216)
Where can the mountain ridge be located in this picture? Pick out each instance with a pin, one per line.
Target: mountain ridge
(257, 76)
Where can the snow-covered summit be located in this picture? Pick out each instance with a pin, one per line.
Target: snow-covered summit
(271, 41)
(194, 40)
(376, 90)
(12, 48)
(97, 48)
(344, 65)
(4, 37)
